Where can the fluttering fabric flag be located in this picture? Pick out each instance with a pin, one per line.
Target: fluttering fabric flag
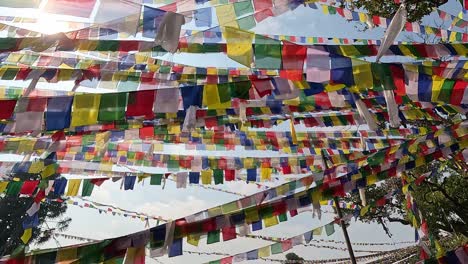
(112, 107)
(119, 15)
(169, 31)
(167, 100)
(6, 108)
(239, 45)
(29, 114)
(152, 18)
(227, 16)
(267, 53)
(395, 27)
(82, 8)
(215, 97)
(140, 104)
(85, 109)
(293, 56)
(203, 17)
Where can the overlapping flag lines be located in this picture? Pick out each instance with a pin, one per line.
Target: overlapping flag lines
(381, 21)
(446, 151)
(381, 255)
(282, 245)
(114, 210)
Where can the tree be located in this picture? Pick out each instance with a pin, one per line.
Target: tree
(12, 213)
(416, 8)
(293, 258)
(440, 196)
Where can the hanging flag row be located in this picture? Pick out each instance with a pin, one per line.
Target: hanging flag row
(170, 235)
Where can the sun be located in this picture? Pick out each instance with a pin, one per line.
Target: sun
(48, 24)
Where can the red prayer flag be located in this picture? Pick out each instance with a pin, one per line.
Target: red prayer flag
(229, 175)
(29, 187)
(140, 103)
(229, 233)
(6, 108)
(293, 56)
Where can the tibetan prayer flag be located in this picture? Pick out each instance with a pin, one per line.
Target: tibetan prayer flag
(135, 255)
(26, 235)
(152, 18)
(215, 97)
(14, 188)
(58, 112)
(226, 16)
(213, 237)
(193, 239)
(308, 237)
(271, 221)
(317, 231)
(330, 229)
(156, 179)
(218, 176)
(140, 104)
(175, 249)
(87, 189)
(194, 177)
(112, 106)
(29, 115)
(167, 100)
(6, 108)
(251, 175)
(276, 248)
(29, 187)
(206, 176)
(264, 252)
(265, 174)
(243, 8)
(129, 182)
(229, 233)
(267, 53)
(119, 15)
(202, 17)
(73, 187)
(85, 109)
(293, 56)
(239, 45)
(82, 8)
(191, 95)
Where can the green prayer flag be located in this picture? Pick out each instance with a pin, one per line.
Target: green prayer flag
(112, 107)
(88, 187)
(224, 92)
(247, 23)
(240, 89)
(267, 53)
(243, 8)
(330, 229)
(276, 248)
(156, 179)
(218, 176)
(14, 188)
(283, 217)
(107, 45)
(446, 90)
(213, 237)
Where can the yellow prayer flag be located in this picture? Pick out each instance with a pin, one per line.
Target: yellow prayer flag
(3, 186)
(265, 174)
(49, 170)
(293, 132)
(206, 176)
(73, 187)
(193, 239)
(226, 16)
(271, 221)
(239, 45)
(85, 109)
(372, 179)
(317, 231)
(437, 83)
(364, 210)
(264, 252)
(36, 167)
(26, 235)
(68, 255)
(211, 97)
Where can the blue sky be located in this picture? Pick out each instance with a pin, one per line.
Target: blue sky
(173, 203)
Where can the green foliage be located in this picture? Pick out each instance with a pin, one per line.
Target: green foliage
(12, 213)
(441, 197)
(293, 256)
(387, 8)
